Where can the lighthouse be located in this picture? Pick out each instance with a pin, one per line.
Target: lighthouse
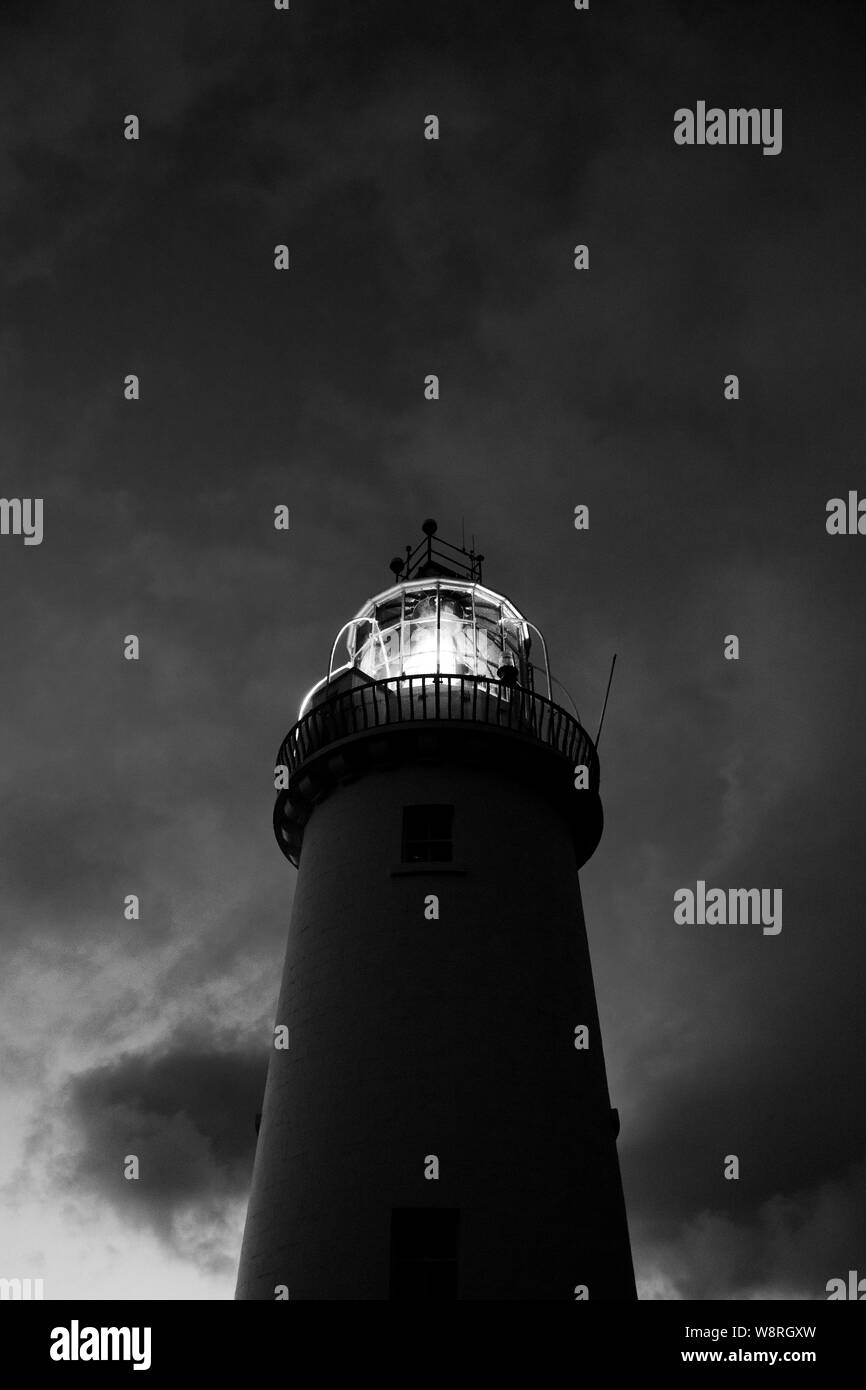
(436, 1122)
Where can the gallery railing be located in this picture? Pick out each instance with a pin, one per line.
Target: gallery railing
(413, 699)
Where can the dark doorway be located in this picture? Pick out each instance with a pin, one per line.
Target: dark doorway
(424, 1253)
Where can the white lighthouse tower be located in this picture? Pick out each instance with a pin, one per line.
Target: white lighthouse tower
(436, 1122)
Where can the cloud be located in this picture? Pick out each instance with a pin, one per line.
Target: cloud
(186, 1110)
(790, 1248)
(67, 176)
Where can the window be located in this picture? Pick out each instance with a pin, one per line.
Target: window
(424, 1254)
(427, 834)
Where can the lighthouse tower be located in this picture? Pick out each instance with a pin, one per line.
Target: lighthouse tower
(436, 1122)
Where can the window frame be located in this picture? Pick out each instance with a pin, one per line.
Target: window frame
(417, 838)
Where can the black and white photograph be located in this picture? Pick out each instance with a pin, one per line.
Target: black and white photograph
(432, 544)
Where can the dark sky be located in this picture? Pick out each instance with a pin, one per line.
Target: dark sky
(558, 387)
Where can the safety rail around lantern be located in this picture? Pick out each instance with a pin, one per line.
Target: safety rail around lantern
(439, 698)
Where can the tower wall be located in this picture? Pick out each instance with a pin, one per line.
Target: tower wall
(454, 1038)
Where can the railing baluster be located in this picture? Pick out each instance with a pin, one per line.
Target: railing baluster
(410, 698)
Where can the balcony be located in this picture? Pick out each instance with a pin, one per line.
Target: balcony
(383, 719)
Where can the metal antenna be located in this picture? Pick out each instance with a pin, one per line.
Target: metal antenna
(604, 706)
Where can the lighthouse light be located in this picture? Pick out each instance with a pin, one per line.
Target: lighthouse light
(427, 628)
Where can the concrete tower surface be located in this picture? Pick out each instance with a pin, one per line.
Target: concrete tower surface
(436, 1122)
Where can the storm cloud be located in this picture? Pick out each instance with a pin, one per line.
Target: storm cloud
(186, 1111)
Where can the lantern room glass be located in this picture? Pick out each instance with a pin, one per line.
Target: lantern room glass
(439, 629)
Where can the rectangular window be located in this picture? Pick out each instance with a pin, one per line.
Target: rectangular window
(427, 834)
(424, 1253)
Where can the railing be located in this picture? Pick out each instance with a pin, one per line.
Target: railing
(414, 699)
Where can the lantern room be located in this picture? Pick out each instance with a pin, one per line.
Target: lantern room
(439, 619)
(440, 626)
